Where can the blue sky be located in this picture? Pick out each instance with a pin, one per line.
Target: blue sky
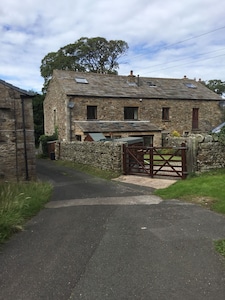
(166, 38)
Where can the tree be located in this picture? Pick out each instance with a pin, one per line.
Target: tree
(38, 117)
(86, 54)
(216, 85)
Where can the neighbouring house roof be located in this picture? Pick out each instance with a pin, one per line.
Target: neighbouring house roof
(131, 140)
(218, 128)
(105, 85)
(116, 126)
(97, 136)
(21, 91)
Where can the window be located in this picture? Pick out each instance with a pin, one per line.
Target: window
(81, 80)
(151, 84)
(130, 113)
(190, 85)
(165, 114)
(195, 112)
(91, 112)
(54, 117)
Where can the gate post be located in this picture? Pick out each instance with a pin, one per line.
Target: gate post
(184, 160)
(151, 161)
(124, 160)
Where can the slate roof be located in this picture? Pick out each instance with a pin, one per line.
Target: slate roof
(104, 85)
(97, 136)
(22, 92)
(116, 126)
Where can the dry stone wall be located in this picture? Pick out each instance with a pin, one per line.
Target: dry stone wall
(102, 155)
(204, 151)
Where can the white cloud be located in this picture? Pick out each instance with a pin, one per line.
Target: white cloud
(30, 29)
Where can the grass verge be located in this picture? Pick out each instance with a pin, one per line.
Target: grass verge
(18, 203)
(108, 175)
(207, 189)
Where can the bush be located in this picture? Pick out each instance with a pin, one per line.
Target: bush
(44, 139)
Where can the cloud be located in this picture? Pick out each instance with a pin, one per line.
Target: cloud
(166, 38)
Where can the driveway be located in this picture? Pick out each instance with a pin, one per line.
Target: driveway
(98, 240)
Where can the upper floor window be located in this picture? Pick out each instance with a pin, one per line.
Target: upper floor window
(91, 112)
(165, 114)
(130, 113)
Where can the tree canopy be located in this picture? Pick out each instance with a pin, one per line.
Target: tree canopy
(216, 85)
(87, 54)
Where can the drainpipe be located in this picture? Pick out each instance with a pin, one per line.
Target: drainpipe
(24, 138)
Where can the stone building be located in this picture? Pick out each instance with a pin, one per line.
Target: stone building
(79, 103)
(17, 148)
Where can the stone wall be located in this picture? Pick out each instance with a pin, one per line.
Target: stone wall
(204, 151)
(16, 161)
(102, 155)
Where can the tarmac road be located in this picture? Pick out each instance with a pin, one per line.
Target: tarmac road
(98, 240)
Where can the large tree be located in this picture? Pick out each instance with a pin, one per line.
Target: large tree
(38, 117)
(86, 54)
(216, 85)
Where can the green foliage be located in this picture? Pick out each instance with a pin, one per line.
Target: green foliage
(220, 247)
(221, 135)
(38, 117)
(87, 55)
(44, 139)
(19, 202)
(175, 133)
(216, 85)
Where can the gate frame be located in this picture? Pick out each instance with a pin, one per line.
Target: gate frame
(154, 151)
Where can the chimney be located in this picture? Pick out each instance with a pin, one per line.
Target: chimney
(131, 77)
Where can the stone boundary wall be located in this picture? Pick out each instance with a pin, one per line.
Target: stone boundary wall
(204, 151)
(102, 155)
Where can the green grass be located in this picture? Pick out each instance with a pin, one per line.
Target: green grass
(18, 203)
(108, 175)
(220, 247)
(207, 189)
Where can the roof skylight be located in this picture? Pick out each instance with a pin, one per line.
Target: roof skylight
(151, 84)
(132, 83)
(81, 80)
(190, 85)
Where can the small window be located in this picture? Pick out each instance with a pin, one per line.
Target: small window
(54, 117)
(91, 112)
(78, 138)
(130, 113)
(81, 80)
(165, 114)
(190, 85)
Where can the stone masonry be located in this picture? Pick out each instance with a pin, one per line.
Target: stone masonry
(17, 149)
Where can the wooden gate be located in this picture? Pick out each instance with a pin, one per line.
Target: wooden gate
(155, 161)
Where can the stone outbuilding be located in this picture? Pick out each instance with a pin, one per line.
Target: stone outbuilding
(17, 145)
(117, 106)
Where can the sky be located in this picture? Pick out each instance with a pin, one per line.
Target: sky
(166, 38)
